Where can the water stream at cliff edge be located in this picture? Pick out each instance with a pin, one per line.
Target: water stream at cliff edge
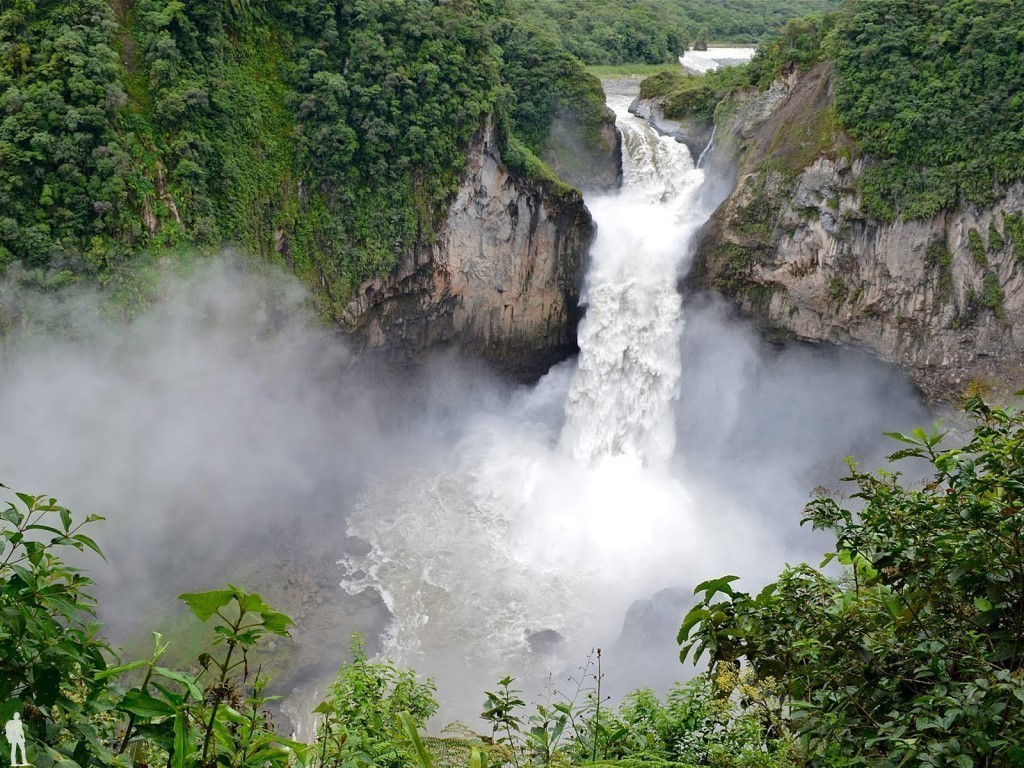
(557, 514)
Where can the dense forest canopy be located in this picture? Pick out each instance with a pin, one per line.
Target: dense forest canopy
(933, 89)
(327, 135)
(929, 90)
(331, 136)
(657, 31)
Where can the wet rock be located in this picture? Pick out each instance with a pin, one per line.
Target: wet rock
(544, 641)
(502, 281)
(793, 247)
(695, 134)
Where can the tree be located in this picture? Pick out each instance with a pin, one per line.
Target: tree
(50, 645)
(916, 655)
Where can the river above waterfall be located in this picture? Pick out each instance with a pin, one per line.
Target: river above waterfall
(713, 59)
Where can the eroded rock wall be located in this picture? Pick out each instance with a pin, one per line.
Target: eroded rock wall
(501, 282)
(943, 297)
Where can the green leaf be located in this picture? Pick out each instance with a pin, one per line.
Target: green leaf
(206, 604)
(714, 586)
(144, 705)
(903, 438)
(186, 680)
(696, 615)
(81, 538)
(231, 714)
(180, 755)
(413, 735)
(277, 623)
(113, 671)
(24, 574)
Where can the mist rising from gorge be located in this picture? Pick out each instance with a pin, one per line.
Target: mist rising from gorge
(226, 420)
(226, 434)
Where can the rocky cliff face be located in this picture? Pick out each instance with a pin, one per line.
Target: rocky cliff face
(943, 297)
(592, 163)
(695, 134)
(501, 282)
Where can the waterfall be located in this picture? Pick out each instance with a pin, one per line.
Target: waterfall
(628, 377)
(525, 546)
(708, 149)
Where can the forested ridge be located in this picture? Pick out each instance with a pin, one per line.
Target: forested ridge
(655, 31)
(930, 91)
(329, 136)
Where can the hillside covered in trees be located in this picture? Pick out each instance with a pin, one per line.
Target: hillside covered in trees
(930, 91)
(656, 31)
(328, 136)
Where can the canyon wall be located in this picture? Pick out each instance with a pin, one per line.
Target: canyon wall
(942, 297)
(502, 280)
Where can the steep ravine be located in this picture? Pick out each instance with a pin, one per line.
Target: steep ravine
(942, 297)
(502, 280)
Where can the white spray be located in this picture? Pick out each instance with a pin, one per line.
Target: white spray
(629, 364)
(530, 547)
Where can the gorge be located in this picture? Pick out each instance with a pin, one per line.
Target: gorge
(575, 499)
(507, 527)
(398, 315)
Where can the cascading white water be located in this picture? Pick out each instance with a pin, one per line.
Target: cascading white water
(547, 528)
(629, 366)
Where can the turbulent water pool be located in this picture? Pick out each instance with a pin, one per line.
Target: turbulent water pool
(484, 529)
(577, 502)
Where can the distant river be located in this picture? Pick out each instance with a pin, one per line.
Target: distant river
(715, 58)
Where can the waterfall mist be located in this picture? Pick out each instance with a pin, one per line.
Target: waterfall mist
(508, 529)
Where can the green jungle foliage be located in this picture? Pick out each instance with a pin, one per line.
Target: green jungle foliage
(934, 90)
(65, 175)
(911, 654)
(546, 82)
(800, 44)
(687, 95)
(329, 136)
(931, 90)
(1014, 225)
(915, 656)
(657, 31)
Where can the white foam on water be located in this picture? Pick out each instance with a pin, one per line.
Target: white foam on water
(543, 525)
(715, 58)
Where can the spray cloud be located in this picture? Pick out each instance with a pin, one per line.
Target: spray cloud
(226, 431)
